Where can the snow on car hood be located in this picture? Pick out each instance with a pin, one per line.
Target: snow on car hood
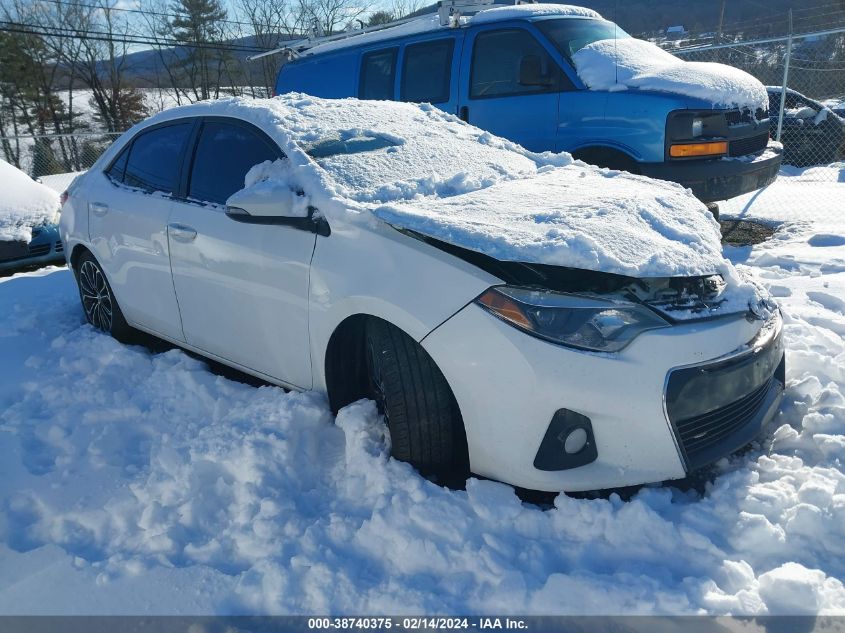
(628, 63)
(578, 217)
(24, 204)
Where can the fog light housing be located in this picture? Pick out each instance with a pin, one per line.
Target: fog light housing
(568, 443)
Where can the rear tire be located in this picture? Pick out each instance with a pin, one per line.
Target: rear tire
(98, 301)
(421, 412)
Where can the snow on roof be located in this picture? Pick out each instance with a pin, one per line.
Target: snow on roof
(532, 11)
(431, 22)
(24, 204)
(621, 64)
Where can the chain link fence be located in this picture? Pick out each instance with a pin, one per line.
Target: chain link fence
(805, 77)
(55, 159)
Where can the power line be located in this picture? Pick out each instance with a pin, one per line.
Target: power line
(67, 33)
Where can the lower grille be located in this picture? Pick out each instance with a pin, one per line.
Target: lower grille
(750, 145)
(698, 433)
(38, 251)
(717, 408)
(60, 248)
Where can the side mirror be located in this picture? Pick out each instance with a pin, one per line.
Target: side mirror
(268, 199)
(531, 72)
(275, 203)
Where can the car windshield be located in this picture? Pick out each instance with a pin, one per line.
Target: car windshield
(570, 36)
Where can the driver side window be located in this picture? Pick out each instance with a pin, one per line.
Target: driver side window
(225, 153)
(511, 62)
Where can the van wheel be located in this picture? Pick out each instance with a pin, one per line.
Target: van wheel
(98, 302)
(421, 412)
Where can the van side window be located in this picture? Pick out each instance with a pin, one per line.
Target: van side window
(511, 62)
(225, 153)
(427, 71)
(378, 72)
(155, 158)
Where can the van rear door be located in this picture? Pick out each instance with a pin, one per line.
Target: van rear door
(510, 85)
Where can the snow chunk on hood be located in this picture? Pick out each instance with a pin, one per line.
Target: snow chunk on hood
(629, 63)
(578, 217)
(24, 204)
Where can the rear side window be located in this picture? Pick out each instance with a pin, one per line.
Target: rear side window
(118, 167)
(155, 158)
(378, 73)
(427, 71)
(225, 153)
(497, 57)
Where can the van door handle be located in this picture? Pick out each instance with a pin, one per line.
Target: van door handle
(181, 232)
(98, 208)
(463, 114)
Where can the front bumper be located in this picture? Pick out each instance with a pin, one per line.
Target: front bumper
(720, 179)
(509, 387)
(45, 248)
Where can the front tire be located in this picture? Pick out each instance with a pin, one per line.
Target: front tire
(420, 409)
(98, 301)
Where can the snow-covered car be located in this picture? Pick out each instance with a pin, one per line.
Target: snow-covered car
(811, 133)
(29, 234)
(523, 316)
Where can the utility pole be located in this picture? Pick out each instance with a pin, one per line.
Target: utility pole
(721, 22)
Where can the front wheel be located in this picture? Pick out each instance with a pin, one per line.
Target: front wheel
(98, 302)
(421, 412)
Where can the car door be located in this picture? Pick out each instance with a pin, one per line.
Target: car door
(510, 86)
(128, 209)
(242, 288)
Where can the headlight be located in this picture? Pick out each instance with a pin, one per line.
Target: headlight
(697, 127)
(576, 321)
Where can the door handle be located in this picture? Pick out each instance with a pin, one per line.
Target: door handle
(181, 232)
(98, 208)
(463, 114)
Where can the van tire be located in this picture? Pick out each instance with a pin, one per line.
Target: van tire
(419, 408)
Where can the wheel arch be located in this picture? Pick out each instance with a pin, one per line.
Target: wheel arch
(609, 156)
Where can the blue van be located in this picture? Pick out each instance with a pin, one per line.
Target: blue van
(510, 71)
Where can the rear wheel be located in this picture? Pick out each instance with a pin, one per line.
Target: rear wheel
(98, 302)
(422, 415)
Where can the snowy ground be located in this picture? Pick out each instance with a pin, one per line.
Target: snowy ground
(141, 482)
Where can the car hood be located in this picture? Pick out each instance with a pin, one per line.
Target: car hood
(576, 217)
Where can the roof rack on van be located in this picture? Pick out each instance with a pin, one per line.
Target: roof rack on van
(450, 12)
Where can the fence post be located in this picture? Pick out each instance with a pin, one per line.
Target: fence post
(785, 78)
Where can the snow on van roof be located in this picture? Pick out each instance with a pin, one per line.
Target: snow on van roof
(621, 64)
(431, 22)
(24, 204)
(532, 11)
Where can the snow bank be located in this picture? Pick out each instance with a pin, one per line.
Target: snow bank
(628, 63)
(121, 495)
(24, 204)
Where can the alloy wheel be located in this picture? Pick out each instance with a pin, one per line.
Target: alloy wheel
(96, 298)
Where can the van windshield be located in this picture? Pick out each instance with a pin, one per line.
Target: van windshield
(570, 36)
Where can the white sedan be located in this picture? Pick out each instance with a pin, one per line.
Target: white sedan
(516, 315)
